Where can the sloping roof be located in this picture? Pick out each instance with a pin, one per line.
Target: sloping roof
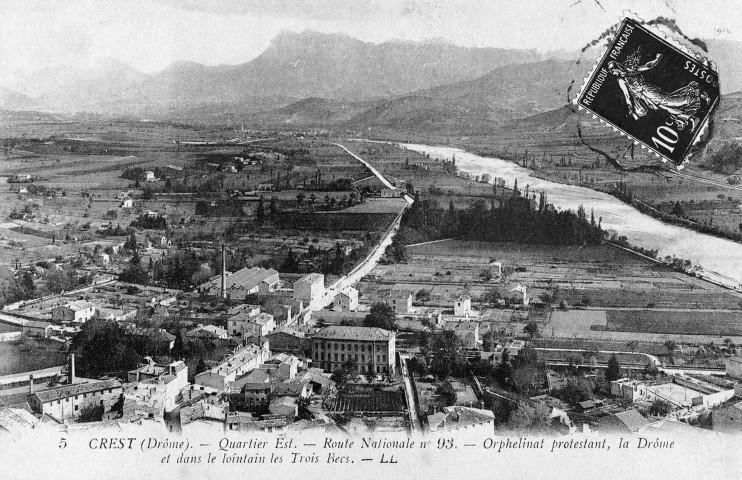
(338, 332)
(207, 331)
(311, 278)
(288, 331)
(458, 417)
(632, 419)
(283, 402)
(290, 389)
(17, 419)
(78, 305)
(75, 389)
(246, 278)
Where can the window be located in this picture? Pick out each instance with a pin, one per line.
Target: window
(58, 402)
(342, 347)
(75, 397)
(336, 357)
(84, 395)
(77, 407)
(342, 357)
(356, 348)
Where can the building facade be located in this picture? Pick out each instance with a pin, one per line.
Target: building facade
(372, 349)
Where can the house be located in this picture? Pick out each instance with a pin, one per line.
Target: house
(400, 300)
(36, 328)
(242, 361)
(79, 311)
(462, 306)
(728, 418)
(456, 418)
(17, 420)
(467, 332)
(67, 401)
(149, 176)
(372, 349)
(151, 338)
(102, 259)
(284, 406)
(161, 382)
(309, 288)
(249, 324)
(292, 389)
(127, 203)
(241, 421)
(209, 332)
(241, 283)
(346, 301)
(287, 339)
(628, 389)
(630, 421)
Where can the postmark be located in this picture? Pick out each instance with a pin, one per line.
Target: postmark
(652, 91)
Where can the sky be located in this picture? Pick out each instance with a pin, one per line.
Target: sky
(151, 34)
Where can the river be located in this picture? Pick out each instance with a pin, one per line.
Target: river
(721, 259)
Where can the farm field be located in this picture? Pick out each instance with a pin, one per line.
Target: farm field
(30, 354)
(705, 322)
(593, 325)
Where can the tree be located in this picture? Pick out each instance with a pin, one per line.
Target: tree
(660, 408)
(447, 393)
(486, 274)
(260, 211)
(90, 413)
(525, 379)
(200, 366)
(346, 372)
(531, 329)
(613, 372)
(670, 346)
(575, 391)
(381, 315)
(533, 416)
(422, 295)
(101, 348)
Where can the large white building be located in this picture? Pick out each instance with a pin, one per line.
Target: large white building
(371, 349)
(309, 288)
(79, 311)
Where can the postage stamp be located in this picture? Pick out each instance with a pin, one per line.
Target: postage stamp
(652, 91)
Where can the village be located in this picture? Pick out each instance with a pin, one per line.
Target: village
(253, 290)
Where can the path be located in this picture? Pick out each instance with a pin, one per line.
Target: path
(372, 259)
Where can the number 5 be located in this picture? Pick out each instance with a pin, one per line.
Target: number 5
(62, 443)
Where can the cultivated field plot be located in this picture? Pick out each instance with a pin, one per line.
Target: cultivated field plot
(705, 322)
(370, 401)
(593, 325)
(30, 354)
(604, 276)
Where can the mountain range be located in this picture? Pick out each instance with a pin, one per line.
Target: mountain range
(317, 79)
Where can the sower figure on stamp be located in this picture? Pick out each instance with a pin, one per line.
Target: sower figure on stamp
(641, 96)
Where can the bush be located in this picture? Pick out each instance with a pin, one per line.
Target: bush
(727, 160)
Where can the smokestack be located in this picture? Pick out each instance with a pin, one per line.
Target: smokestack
(224, 271)
(30, 384)
(71, 373)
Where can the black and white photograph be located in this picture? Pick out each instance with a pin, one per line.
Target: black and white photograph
(350, 239)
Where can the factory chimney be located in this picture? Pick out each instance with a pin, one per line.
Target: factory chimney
(71, 371)
(224, 271)
(30, 384)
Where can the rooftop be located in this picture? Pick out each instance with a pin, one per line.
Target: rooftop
(458, 417)
(337, 332)
(79, 305)
(75, 389)
(312, 278)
